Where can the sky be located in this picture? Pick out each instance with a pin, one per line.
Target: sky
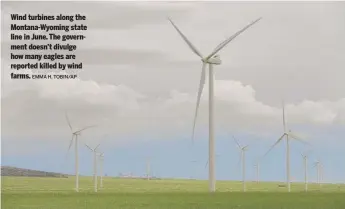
(140, 80)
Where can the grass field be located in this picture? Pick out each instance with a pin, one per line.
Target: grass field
(55, 193)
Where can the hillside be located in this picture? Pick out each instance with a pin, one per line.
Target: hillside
(13, 171)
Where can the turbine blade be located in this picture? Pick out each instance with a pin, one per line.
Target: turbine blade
(97, 146)
(206, 164)
(277, 142)
(238, 144)
(191, 46)
(69, 147)
(87, 127)
(69, 124)
(224, 43)
(70, 143)
(201, 86)
(292, 135)
(89, 147)
(302, 155)
(284, 124)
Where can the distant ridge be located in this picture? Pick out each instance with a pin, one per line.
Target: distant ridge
(14, 171)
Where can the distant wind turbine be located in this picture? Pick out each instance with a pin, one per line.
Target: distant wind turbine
(289, 135)
(193, 167)
(305, 163)
(257, 168)
(243, 150)
(317, 164)
(321, 174)
(148, 168)
(101, 162)
(94, 151)
(212, 59)
(75, 134)
(101, 159)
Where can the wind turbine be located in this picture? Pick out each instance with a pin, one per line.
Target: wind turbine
(317, 164)
(243, 150)
(321, 173)
(305, 163)
(148, 167)
(257, 168)
(289, 135)
(193, 167)
(101, 159)
(211, 59)
(94, 165)
(75, 134)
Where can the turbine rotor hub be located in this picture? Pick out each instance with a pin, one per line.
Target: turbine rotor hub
(215, 60)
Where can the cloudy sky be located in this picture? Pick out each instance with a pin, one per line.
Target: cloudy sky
(140, 81)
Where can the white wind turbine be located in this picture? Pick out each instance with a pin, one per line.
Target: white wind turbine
(257, 168)
(321, 174)
(94, 151)
(148, 168)
(212, 59)
(243, 150)
(75, 134)
(318, 165)
(101, 164)
(193, 167)
(305, 164)
(289, 135)
(101, 159)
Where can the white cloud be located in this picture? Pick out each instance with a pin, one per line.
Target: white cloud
(236, 105)
(89, 91)
(315, 112)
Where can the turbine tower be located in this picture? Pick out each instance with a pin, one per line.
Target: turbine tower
(317, 164)
(94, 165)
(321, 173)
(101, 159)
(289, 135)
(212, 59)
(193, 168)
(257, 168)
(148, 168)
(75, 134)
(305, 163)
(243, 150)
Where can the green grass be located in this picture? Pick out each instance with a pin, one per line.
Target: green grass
(55, 193)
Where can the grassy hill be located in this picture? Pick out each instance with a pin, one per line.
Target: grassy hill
(14, 171)
(121, 193)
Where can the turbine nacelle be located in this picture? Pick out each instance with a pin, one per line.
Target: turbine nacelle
(215, 60)
(77, 133)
